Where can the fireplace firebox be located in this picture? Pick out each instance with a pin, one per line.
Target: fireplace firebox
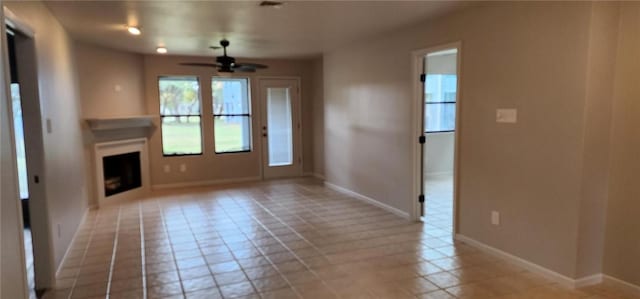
(121, 173)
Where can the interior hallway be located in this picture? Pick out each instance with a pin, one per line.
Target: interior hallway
(282, 239)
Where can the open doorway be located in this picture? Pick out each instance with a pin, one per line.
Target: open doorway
(29, 148)
(18, 130)
(438, 142)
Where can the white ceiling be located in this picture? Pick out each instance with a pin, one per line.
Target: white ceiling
(298, 29)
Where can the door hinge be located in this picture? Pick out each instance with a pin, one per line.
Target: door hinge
(423, 77)
(421, 198)
(422, 139)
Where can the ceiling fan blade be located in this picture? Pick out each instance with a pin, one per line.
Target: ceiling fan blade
(251, 65)
(244, 69)
(200, 64)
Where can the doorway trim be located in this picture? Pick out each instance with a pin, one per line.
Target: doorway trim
(300, 134)
(43, 259)
(417, 63)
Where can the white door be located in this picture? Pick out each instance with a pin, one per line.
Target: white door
(280, 129)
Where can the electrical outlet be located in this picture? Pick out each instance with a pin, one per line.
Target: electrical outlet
(495, 217)
(167, 168)
(183, 167)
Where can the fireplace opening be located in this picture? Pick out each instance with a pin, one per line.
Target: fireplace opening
(121, 173)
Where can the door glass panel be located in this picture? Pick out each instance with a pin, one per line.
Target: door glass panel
(280, 127)
(19, 134)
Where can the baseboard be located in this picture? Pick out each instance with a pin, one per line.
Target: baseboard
(205, 183)
(313, 174)
(73, 240)
(318, 176)
(555, 276)
(589, 280)
(368, 200)
(621, 283)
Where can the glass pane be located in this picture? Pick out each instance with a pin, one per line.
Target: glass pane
(19, 132)
(179, 96)
(280, 127)
(232, 133)
(440, 88)
(181, 135)
(440, 117)
(230, 96)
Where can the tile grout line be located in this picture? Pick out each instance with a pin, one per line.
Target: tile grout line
(84, 255)
(300, 260)
(113, 254)
(142, 251)
(173, 252)
(226, 244)
(213, 276)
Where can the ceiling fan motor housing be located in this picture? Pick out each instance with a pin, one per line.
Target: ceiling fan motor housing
(226, 63)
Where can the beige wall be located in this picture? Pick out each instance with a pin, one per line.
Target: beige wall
(622, 250)
(600, 74)
(210, 167)
(529, 56)
(111, 81)
(317, 118)
(60, 102)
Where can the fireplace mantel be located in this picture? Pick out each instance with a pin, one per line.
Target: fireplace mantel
(112, 123)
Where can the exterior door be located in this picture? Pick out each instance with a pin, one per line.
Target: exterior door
(280, 128)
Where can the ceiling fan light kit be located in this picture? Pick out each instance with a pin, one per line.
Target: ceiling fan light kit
(225, 65)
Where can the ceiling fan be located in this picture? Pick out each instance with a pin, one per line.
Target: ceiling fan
(227, 64)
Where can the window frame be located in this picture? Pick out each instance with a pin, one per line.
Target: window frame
(202, 145)
(441, 103)
(249, 115)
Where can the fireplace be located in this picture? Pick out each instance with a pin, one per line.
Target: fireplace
(121, 170)
(121, 173)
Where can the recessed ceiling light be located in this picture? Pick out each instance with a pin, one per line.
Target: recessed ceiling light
(134, 30)
(161, 50)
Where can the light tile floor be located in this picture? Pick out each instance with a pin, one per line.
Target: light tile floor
(282, 239)
(439, 202)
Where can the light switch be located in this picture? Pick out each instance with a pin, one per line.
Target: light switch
(49, 126)
(507, 116)
(495, 217)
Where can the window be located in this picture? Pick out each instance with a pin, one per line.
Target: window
(440, 103)
(231, 115)
(180, 114)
